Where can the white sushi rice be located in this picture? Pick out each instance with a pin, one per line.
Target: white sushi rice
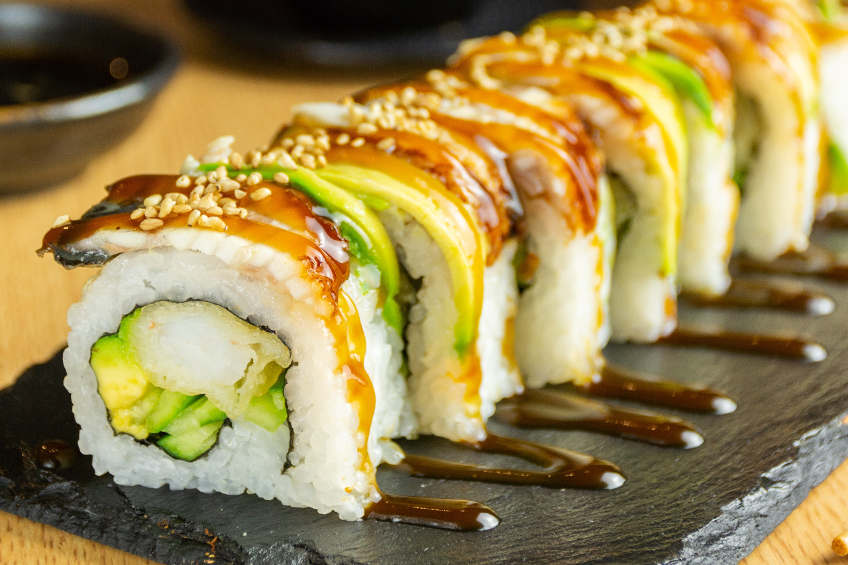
(712, 203)
(326, 469)
(833, 62)
(442, 404)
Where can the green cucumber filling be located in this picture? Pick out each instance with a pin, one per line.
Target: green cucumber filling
(175, 373)
(746, 137)
(626, 205)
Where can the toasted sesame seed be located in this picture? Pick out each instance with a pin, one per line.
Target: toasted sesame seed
(212, 176)
(269, 158)
(217, 223)
(308, 161)
(287, 143)
(239, 194)
(182, 209)
(322, 161)
(61, 221)
(386, 143)
(281, 178)
(203, 220)
(167, 206)
(241, 178)
(228, 185)
(358, 142)
(221, 171)
(201, 180)
(297, 151)
(151, 211)
(256, 160)
(366, 128)
(254, 178)
(151, 224)
(323, 143)
(211, 189)
(285, 160)
(153, 200)
(260, 194)
(136, 214)
(343, 139)
(236, 161)
(184, 181)
(305, 140)
(214, 211)
(226, 202)
(231, 210)
(206, 202)
(242, 213)
(193, 217)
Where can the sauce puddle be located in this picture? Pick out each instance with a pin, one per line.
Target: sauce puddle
(549, 409)
(616, 382)
(561, 468)
(760, 294)
(773, 346)
(55, 454)
(814, 262)
(441, 513)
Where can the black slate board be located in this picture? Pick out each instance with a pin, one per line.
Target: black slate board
(713, 504)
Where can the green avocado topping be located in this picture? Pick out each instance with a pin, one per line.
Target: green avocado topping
(838, 182)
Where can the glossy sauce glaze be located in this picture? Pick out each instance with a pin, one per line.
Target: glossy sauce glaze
(814, 262)
(554, 409)
(54, 454)
(441, 513)
(561, 468)
(768, 345)
(617, 382)
(744, 293)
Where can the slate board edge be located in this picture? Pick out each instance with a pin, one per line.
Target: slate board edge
(734, 535)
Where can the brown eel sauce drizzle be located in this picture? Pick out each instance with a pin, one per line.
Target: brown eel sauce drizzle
(773, 346)
(445, 514)
(554, 409)
(561, 468)
(762, 294)
(814, 262)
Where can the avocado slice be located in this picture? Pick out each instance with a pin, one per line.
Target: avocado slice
(170, 404)
(368, 239)
(193, 443)
(661, 101)
(466, 264)
(685, 80)
(831, 10)
(838, 165)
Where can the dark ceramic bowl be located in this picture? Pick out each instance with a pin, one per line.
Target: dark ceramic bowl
(72, 85)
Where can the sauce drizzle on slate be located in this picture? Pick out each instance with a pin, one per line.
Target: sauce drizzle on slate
(762, 294)
(561, 468)
(445, 514)
(553, 409)
(54, 454)
(773, 346)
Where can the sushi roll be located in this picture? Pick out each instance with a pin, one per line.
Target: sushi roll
(700, 74)
(562, 225)
(773, 58)
(447, 212)
(235, 339)
(640, 125)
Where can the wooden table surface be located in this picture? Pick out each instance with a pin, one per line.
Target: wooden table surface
(207, 99)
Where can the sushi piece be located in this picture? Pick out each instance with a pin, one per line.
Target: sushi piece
(641, 128)
(447, 212)
(562, 225)
(235, 338)
(773, 58)
(700, 74)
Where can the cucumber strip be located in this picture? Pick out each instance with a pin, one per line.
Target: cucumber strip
(193, 443)
(201, 413)
(169, 406)
(265, 412)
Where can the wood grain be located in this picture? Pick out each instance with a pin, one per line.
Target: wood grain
(247, 99)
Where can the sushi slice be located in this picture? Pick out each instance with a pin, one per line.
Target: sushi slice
(447, 213)
(700, 74)
(641, 128)
(773, 58)
(553, 167)
(234, 338)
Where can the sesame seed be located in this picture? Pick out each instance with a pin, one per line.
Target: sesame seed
(217, 223)
(281, 178)
(151, 211)
(201, 180)
(151, 224)
(136, 214)
(241, 178)
(184, 181)
(153, 200)
(226, 202)
(260, 194)
(182, 209)
(268, 158)
(193, 217)
(358, 142)
(231, 210)
(386, 143)
(203, 220)
(239, 194)
(308, 161)
(287, 143)
(206, 202)
(323, 143)
(322, 161)
(213, 176)
(297, 151)
(256, 160)
(214, 211)
(221, 171)
(167, 206)
(305, 140)
(61, 221)
(242, 213)
(254, 178)
(343, 139)
(236, 161)
(366, 128)
(285, 160)
(228, 185)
